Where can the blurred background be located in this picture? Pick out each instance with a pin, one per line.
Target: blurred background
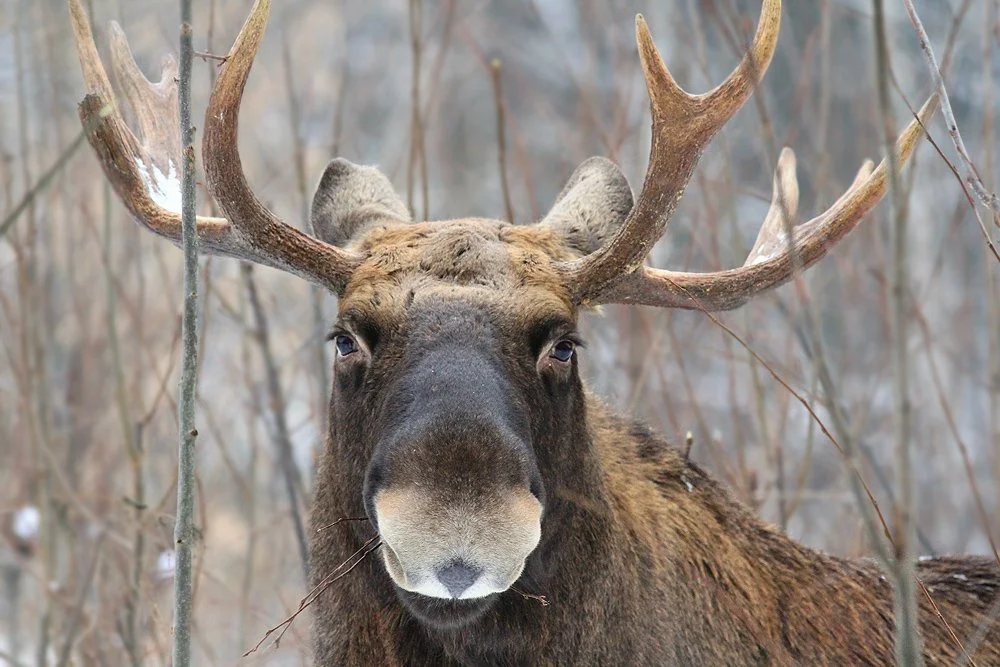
(89, 303)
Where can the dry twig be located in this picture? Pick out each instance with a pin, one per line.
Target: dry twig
(334, 576)
(972, 177)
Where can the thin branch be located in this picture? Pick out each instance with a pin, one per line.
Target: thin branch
(418, 156)
(316, 293)
(130, 436)
(341, 521)
(908, 643)
(76, 614)
(211, 56)
(184, 528)
(495, 72)
(29, 197)
(949, 415)
(276, 398)
(846, 441)
(989, 199)
(965, 190)
(367, 548)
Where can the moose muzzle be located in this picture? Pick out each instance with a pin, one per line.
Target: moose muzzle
(460, 550)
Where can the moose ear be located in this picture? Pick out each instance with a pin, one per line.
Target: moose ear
(592, 206)
(349, 198)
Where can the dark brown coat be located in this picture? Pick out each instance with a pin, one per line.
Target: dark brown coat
(644, 558)
(653, 562)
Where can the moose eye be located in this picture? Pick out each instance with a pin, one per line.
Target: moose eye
(345, 344)
(563, 350)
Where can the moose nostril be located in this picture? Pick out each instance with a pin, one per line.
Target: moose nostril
(458, 576)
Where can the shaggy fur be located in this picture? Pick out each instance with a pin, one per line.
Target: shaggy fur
(644, 558)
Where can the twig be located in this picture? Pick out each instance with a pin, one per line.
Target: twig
(963, 450)
(276, 398)
(845, 442)
(417, 153)
(495, 72)
(316, 293)
(981, 633)
(850, 458)
(965, 190)
(908, 642)
(184, 529)
(130, 436)
(312, 596)
(76, 614)
(29, 197)
(540, 599)
(342, 520)
(211, 56)
(31, 296)
(989, 199)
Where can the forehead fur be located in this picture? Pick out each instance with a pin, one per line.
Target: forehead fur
(493, 262)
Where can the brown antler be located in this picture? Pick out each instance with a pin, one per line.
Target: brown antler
(683, 124)
(145, 174)
(769, 263)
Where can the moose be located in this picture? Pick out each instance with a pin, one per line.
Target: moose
(460, 428)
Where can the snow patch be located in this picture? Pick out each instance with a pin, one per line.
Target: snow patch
(163, 189)
(26, 522)
(166, 562)
(763, 258)
(777, 248)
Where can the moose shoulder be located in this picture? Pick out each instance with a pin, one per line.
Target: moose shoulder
(460, 428)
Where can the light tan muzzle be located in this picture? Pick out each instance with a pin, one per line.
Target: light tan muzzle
(456, 550)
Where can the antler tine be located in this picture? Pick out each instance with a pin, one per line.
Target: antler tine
(154, 104)
(125, 162)
(773, 235)
(94, 76)
(724, 290)
(683, 124)
(253, 222)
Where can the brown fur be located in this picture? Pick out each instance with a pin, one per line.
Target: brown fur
(644, 558)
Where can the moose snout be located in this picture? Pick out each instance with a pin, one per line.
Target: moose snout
(460, 549)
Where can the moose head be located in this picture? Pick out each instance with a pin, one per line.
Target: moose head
(459, 425)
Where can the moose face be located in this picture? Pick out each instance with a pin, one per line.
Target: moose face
(455, 372)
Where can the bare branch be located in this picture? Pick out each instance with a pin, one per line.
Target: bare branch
(989, 199)
(184, 528)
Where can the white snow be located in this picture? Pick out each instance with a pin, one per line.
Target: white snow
(164, 189)
(26, 522)
(763, 258)
(776, 249)
(165, 564)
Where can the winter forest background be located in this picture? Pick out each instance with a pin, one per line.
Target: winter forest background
(89, 304)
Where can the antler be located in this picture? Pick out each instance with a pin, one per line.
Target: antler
(683, 124)
(145, 174)
(769, 263)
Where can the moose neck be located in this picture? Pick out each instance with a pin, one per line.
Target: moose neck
(602, 538)
(643, 555)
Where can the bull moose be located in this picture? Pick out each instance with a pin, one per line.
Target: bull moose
(460, 428)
